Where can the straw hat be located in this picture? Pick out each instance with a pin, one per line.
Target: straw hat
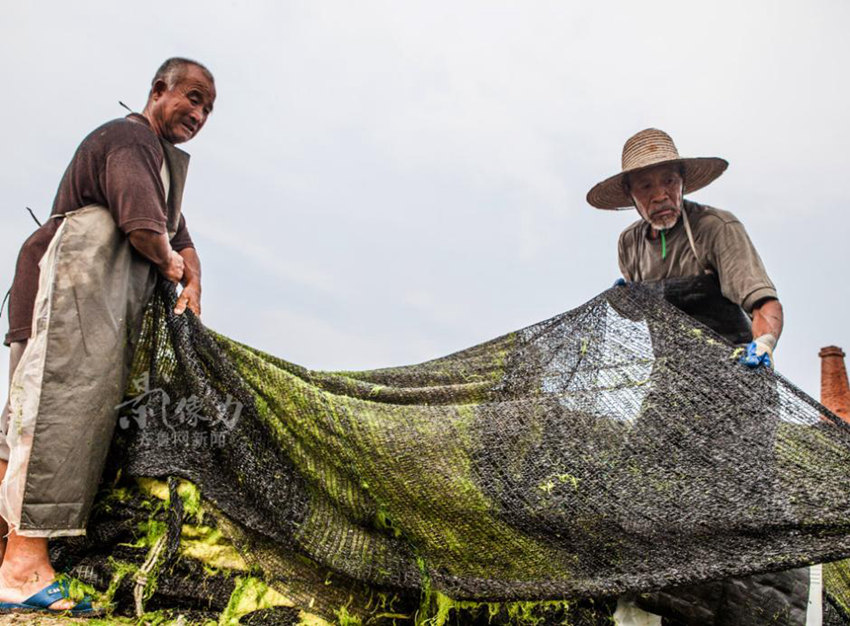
(647, 149)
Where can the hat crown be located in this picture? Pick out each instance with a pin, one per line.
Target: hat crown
(648, 147)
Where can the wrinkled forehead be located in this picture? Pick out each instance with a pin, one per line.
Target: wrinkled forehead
(195, 79)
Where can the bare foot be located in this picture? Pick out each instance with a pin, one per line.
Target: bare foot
(18, 590)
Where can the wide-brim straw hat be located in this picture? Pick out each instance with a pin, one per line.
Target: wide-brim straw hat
(649, 148)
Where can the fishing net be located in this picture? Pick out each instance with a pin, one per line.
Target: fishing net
(616, 448)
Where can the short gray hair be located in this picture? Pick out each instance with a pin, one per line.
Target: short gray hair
(174, 69)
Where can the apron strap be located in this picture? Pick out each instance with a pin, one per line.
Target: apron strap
(165, 175)
(705, 267)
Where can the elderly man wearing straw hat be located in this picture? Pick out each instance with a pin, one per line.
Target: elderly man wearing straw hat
(701, 260)
(699, 257)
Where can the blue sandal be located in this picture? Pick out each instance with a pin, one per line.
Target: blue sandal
(41, 601)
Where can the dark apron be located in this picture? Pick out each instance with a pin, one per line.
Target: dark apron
(701, 298)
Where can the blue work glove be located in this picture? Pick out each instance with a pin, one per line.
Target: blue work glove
(620, 282)
(759, 352)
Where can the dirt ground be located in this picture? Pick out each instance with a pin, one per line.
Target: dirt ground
(35, 620)
(19, 620)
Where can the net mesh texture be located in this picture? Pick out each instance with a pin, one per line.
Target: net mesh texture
(618, 448)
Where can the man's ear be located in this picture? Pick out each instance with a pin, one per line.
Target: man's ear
(159, 87)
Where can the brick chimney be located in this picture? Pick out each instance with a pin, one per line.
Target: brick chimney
(834, 389)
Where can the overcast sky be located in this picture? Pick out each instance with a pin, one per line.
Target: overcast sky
(382, 183)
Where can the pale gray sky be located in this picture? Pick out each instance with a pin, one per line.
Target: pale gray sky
(387, 182)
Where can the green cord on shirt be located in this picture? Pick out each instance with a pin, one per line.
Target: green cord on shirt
(663, 245)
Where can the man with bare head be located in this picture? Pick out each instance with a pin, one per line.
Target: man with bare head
(81, 285)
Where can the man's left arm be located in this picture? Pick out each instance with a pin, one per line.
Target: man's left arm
(190, 297)
(767, 326)
(743, 279)
(767, 318)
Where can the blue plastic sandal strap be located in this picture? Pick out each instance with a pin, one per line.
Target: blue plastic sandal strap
(57, 590)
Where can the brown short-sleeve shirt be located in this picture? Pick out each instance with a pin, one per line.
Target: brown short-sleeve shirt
(118, 166)
(722, 244)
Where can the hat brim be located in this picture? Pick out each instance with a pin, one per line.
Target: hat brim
(699, 172)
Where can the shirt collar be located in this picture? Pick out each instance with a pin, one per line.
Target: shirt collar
(138, 117)
(141, 119)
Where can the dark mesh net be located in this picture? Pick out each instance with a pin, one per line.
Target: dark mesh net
(618, 447)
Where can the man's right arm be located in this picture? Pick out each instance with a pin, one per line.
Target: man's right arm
(135, 195)
(156, 248)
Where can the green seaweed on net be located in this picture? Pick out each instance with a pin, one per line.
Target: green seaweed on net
(351, 459)
(251, 594)
(471, 478)
(439, 609)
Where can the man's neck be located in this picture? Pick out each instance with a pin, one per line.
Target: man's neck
(149, 118)
(654, 233)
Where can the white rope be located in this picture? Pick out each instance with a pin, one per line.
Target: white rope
(141, 577)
